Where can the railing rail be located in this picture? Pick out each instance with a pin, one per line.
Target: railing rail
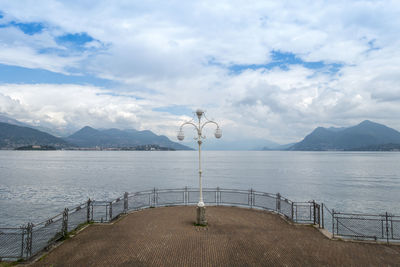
(26, 241)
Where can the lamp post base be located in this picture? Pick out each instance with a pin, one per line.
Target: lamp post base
(201, 216)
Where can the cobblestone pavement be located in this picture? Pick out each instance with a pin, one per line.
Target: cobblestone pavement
(235, 237)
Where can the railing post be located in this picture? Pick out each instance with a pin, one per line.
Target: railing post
(126, 207)
(333, 222)
(253, 198)
(107, 211)
(391, 225)
(319, 215)
(387, 227)
(250, 198)
(154, 198)
(110, 212)
(28, 246)
(185, 196)
(292, 211)
(64, 229)
(322, 214)
(278, 203)
(89, 202)
(314, 215)
(218, 196)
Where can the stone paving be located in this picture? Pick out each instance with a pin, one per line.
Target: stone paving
(234, 237)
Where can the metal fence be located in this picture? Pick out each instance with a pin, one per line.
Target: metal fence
(26, 241)
(384, 227)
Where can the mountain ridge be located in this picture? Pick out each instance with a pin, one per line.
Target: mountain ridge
(16, 135)
(366, 134)
(13, 136)
(116, 138)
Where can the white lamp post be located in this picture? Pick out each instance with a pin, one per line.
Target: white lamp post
(201, 213)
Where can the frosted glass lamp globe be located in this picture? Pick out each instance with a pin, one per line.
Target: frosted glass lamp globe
(218, 133)
(180, 135)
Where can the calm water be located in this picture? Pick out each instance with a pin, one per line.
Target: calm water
(37, 184)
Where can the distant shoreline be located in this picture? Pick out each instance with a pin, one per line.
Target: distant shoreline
(126, 149)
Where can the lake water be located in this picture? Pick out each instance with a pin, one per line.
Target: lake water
(35, 185)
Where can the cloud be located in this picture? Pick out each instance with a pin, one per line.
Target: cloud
(71, 107)
(338, 63)
(20, 49)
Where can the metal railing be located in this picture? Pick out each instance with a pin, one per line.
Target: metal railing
(28, 240)
(383, 227)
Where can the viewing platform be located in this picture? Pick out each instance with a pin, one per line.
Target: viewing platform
(245, 227)
(167, 236)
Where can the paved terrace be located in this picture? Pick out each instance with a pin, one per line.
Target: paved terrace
(235, 237)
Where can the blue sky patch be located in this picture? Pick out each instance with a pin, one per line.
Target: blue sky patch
(175, 110)
(283, 60)
(77, 39)
(74, 41)
(14, 74)
(27, 28)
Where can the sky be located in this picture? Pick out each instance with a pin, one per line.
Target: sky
(264, 70)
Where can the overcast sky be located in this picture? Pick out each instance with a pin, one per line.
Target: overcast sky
(268, 70)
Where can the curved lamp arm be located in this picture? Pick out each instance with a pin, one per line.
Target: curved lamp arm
(207, 122)
(218, 132)
(181, 135)
(188, 122)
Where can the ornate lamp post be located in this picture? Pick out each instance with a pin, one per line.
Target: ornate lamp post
(201, 212)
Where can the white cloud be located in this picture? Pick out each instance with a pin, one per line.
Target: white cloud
(19, 49)
(74, 106)
(179, 53)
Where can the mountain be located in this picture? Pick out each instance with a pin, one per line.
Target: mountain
(364, 136)
(14, 136)
(113, 138)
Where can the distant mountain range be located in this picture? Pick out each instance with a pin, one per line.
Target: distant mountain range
(14, 134)
(112, 138)
(366, 136)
